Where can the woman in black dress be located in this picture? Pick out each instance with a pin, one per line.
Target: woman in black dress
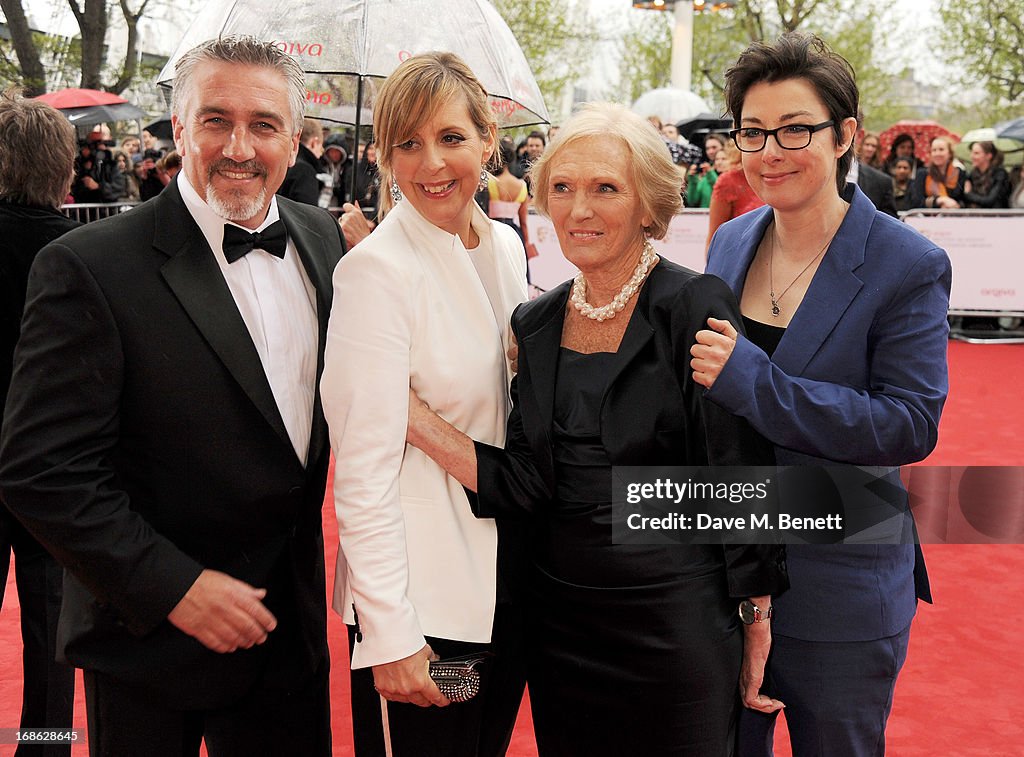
(635, 648)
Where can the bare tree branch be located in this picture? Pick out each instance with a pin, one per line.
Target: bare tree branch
(32, 71)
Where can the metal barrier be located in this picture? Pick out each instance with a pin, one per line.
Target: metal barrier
(986, 304)
(87, 212)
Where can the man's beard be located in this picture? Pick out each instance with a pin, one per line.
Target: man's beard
(235, 205)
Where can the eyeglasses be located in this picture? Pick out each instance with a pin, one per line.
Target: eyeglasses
(788, 137)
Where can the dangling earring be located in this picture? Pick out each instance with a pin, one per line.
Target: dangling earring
(484, 176)
(396, 193)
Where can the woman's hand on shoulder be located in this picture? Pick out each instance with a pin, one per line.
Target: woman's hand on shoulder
(711, 351)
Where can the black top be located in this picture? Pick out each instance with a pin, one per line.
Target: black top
(989, 189)
(575, 538)
(579, 388)
(764, 335)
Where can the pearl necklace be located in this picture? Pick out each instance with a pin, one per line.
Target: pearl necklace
(579, 289)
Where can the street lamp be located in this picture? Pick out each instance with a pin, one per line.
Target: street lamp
(682, 36)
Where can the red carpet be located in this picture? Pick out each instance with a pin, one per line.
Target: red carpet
(957, 695)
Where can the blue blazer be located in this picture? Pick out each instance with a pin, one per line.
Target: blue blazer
(859, 377)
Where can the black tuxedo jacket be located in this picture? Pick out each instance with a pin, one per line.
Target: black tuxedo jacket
(878, 187)
(653, 413)
(142, 443)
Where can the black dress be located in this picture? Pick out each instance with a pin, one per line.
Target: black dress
(635, 649)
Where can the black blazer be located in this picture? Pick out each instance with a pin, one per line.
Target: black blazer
(24, 229)
(301, 183)
(998, 194)
(653, 413)
(142, 443)
(878, 187)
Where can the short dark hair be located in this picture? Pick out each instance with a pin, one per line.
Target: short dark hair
(538, 135)
(796, 55)
(37, 152)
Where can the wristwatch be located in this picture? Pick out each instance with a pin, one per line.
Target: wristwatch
(751, 613)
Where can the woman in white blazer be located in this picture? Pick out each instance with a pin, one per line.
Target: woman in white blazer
(423, 302)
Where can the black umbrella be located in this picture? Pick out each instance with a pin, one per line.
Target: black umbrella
(98, 114)
(1013, 129)
(161, 128)
(703, 122)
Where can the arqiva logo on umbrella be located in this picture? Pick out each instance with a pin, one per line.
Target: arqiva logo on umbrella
(503, 107)
(312, 49)
(318, 98)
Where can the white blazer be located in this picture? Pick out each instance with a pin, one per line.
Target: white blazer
(410, 310)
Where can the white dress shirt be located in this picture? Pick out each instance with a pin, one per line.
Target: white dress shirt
(278, 304)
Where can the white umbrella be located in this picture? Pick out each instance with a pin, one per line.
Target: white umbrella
(670, 104)
(344, 47)
(1012, 149)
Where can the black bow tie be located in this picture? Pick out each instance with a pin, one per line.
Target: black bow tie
(239, 242)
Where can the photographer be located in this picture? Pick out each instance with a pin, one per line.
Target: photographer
(148, 176)
(97, 179)
(702, 177)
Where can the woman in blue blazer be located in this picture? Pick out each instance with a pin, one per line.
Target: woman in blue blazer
(844, 362)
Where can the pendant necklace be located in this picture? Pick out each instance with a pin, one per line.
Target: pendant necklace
(771, 264)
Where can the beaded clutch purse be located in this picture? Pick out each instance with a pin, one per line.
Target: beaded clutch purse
(458, 678)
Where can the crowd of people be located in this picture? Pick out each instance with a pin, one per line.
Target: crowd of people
(176, 378)
(941, 182)
(332, 172)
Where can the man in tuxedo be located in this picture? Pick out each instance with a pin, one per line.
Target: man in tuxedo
(164, 439)
(872, 182)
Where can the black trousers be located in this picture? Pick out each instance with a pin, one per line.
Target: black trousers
(481, 727)
(124, 721)
(48, 690)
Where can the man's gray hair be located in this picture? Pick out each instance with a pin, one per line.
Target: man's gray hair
(244, 50)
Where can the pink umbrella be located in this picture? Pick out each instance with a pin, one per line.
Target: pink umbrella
(80, 98)
(923, 133)
(84, 107)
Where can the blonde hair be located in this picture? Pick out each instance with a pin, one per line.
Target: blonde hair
(412, 94)
(949, 145)
(732, 153)
(654, 175)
